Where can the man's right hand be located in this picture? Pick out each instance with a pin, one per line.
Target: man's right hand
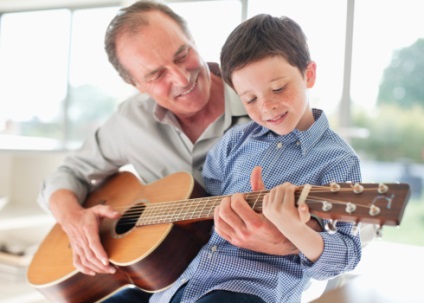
(82, 228)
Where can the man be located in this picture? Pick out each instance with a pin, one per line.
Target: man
(182, 109)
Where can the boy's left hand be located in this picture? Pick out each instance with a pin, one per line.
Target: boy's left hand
(279, 206)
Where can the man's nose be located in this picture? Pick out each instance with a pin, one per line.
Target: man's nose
(180, 75)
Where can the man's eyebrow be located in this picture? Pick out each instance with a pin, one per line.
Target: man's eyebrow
(150, 74)
(180, 50)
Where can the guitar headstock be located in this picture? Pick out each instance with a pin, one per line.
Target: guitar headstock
(379, 204)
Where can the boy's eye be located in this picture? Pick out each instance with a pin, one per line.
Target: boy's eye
(251, 100)
(278, 90)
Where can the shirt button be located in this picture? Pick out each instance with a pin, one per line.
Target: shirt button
(297, 143)
(214, 248)
(279, 145)
(183, 280)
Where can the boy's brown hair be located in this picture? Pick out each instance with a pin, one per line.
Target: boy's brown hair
(262, 36)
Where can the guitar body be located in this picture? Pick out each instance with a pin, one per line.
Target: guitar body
(142, 255)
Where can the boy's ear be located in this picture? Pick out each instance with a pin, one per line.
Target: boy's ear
(311, 74)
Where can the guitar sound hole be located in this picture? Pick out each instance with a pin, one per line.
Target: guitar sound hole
(129, 219)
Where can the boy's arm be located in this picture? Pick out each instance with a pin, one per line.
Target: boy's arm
(236, 222)
(280, 208)
(341, 251)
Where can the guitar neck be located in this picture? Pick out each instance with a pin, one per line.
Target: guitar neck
(381, 204)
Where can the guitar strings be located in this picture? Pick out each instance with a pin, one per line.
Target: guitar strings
(183, 203)
(182, 210)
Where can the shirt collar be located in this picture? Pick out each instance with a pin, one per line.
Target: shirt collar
(233, 105)
(306, 139)
(165, 116)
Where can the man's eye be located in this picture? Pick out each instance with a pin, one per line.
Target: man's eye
(182, 56)
(155, 76)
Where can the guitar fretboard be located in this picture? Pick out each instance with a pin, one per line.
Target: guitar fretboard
(200, 208)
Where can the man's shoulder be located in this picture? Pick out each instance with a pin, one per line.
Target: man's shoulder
(136, 101)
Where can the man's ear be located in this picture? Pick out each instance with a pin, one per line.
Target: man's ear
(139, 87)
(311, 74)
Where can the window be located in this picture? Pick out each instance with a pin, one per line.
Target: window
(57, 84)
(33, 71)
(95, 88)
(388, 101)
(210, 22)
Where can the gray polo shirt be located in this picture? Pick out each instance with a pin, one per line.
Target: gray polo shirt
(144, 136)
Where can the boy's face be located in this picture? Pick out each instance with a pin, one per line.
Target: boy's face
(275, 93)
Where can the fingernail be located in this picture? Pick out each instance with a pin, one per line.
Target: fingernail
(91, 273)
(105, 262)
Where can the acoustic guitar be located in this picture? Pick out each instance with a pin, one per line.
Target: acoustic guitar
(164, 225)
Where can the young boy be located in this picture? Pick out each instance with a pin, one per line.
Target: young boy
(266, 61)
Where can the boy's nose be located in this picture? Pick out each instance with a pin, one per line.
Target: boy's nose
(269, 105)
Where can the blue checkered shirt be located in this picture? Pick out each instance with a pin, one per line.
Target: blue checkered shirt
(316, 156)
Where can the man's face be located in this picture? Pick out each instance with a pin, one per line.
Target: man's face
(164, 63)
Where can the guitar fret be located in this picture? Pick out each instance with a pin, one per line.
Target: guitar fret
(196, 213)
(211, 207)
(206, 207)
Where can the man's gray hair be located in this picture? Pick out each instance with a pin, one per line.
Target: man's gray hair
(129, 20)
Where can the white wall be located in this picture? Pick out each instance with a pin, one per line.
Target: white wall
(21, 174)
(22, 221)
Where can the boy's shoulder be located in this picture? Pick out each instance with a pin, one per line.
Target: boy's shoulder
(242, 130)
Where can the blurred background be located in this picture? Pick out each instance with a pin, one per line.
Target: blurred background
(56, 86)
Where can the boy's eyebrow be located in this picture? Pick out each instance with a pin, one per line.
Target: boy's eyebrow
(181, 49)
(245, 92)
(272, 80)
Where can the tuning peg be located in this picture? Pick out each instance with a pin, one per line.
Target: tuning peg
(334, 187)
(382, 188)
(374, 210)
(326, 206)
(350, 207)
(330, 227)
(358, 188)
